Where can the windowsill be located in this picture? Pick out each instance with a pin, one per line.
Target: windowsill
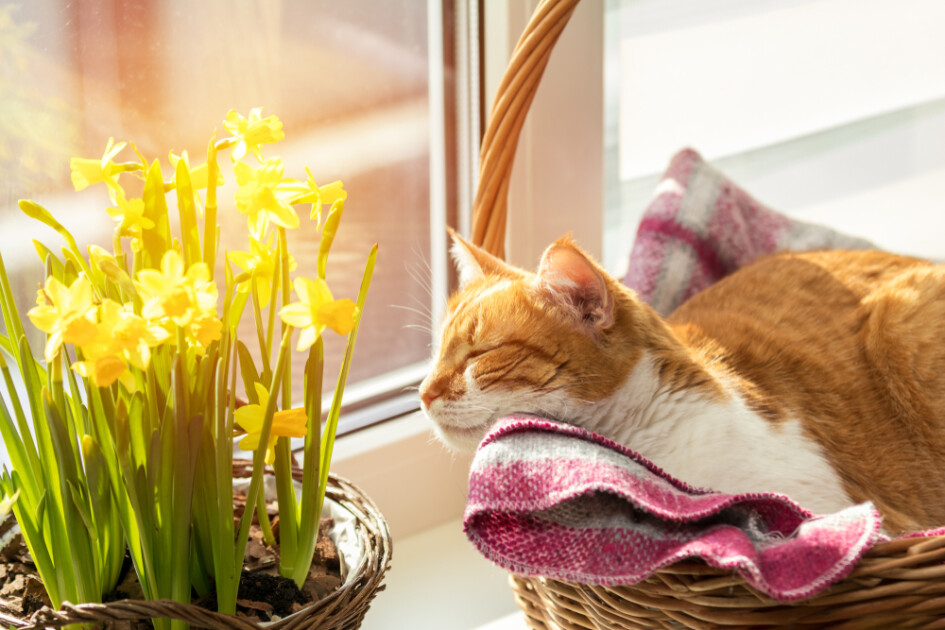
(415, 481)
(437, 578)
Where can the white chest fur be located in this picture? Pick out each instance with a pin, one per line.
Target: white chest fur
(720, 445)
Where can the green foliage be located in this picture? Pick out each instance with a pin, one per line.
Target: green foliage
(125, 437)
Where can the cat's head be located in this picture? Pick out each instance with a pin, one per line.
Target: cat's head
(513, 341)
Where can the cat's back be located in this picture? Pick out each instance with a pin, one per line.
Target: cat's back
(852, 344)
(795, 302)
(792, 284)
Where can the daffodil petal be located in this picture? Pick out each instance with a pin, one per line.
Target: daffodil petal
(283, 215)
(53, 343)
(338, 315)
(249, 417)
(43, 317)
(151, 281)
(85, 172)
(321, 293)
(296, 314)
(250, 442)
(171, 264)
(307, 337)
(107, 370)
(262, 394)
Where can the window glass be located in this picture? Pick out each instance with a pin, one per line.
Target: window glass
(348, 79)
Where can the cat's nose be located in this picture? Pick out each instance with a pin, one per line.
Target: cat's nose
(426, 398)
(429, 392)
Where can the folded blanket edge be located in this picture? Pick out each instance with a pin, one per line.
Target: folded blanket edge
(739, 565)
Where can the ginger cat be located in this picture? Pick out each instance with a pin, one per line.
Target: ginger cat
(818, 375)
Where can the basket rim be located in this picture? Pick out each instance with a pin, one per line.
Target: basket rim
(895, 580)
(349, 601)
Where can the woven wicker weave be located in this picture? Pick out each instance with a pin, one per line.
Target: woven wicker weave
(343, 609)
(897, 584)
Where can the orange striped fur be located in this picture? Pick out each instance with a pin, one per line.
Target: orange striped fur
(821, 375)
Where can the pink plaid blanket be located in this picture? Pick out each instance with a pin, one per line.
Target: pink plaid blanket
(551, 499)
(700, 227)
(554, 500)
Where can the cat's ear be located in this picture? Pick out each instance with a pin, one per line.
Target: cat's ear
(474, 262)
(566, 275)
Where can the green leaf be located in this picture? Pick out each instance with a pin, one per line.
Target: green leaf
(157, 240)
(71, 549)
(331, 425)
(211, 234)
(20, 457)
(83, 509)
(30, 519)
(71, 266)
(107, 530)
(49, 258)
(311, 508)
(226, 566)
(328, 235)
(22, 433)
(35, 211)
(138, 428)
(248, 372)
(190, 234)
(259, 456)
(235, 311)
(152, 555)
(11, 316)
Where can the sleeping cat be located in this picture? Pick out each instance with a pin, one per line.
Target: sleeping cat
(818, 375)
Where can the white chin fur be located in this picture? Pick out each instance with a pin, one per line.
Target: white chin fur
(459, 439)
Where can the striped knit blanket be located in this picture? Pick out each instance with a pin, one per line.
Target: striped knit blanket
(550, 499)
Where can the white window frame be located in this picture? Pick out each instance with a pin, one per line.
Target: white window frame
(556, 188)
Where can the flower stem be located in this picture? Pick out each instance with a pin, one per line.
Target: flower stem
(263, 515)
(259, 457)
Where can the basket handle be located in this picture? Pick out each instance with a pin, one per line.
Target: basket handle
(500, 141)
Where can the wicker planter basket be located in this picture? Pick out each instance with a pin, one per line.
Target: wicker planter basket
(897, 584)
(343, 609)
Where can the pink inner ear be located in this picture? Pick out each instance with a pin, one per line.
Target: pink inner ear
(570, 266)
(570, 275)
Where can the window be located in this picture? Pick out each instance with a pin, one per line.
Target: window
(351, 82)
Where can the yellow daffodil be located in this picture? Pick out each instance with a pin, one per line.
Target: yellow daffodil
(260, 264)
(316, 310)
(86, 172)
(131, 220)
(287, 423)
(261, 198)
(174, 294)
(122, 337)
(65, 314)
(318, 195)
(252, 132)
(204, 330)
(104, 370)
(129, 335)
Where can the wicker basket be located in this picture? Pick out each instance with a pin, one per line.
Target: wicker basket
(897, 584)
(343, 609)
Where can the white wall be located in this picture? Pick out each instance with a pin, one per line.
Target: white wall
(830, 110)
